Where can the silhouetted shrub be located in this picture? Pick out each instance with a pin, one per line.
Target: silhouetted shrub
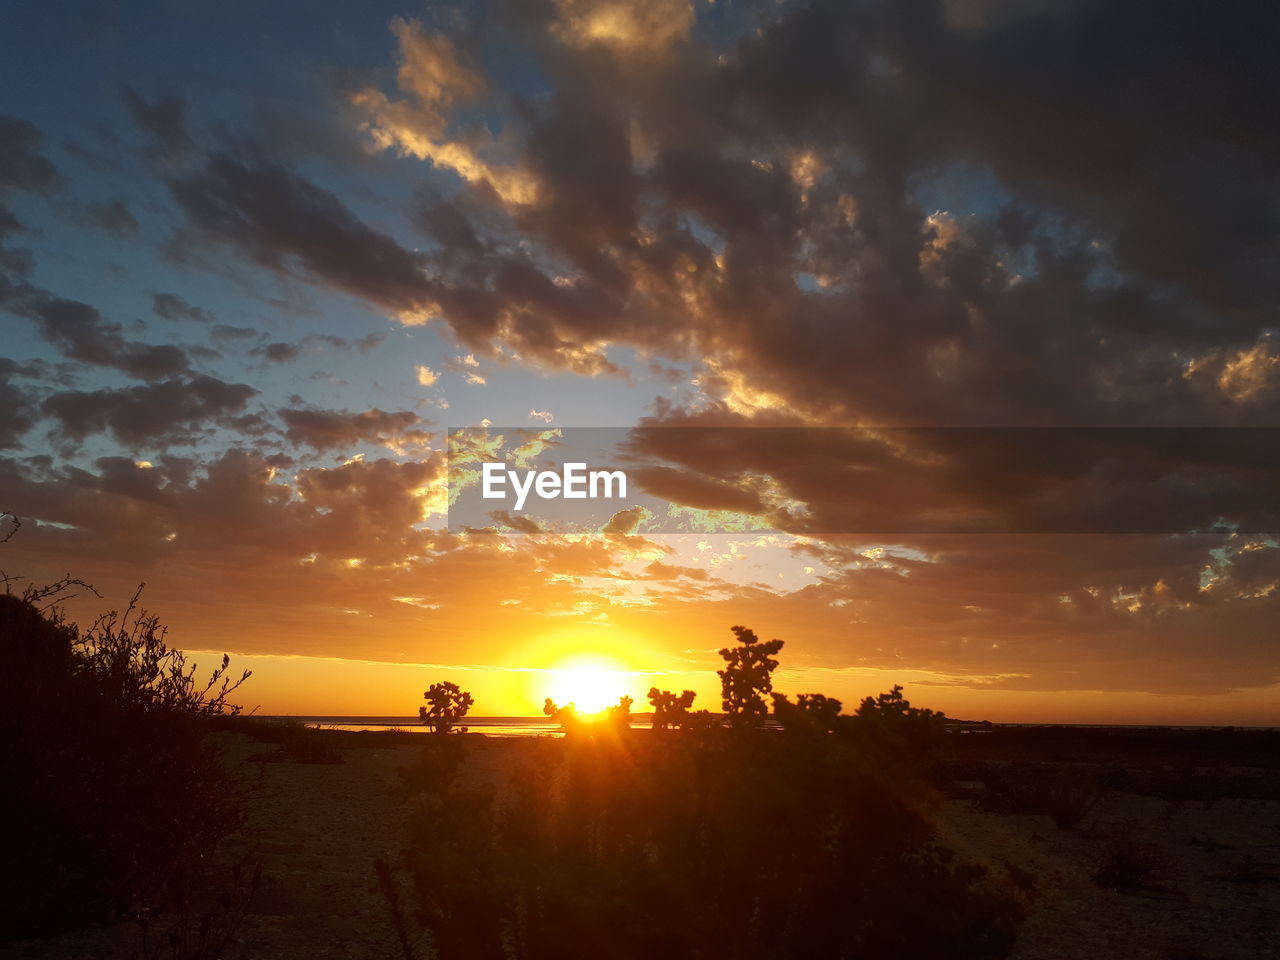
(1064, 795)
(812, 713)
(670, 709)
(201, 928)
(1127, 863)
(449, 704)
(299, 743)
(113, 795)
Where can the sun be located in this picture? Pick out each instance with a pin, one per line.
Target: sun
(589, 683)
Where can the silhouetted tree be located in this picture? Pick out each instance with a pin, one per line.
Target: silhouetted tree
(670, 709)
(746, 680)
(449, 704)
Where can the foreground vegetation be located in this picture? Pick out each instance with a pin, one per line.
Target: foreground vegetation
(700, 839)
(114, 798)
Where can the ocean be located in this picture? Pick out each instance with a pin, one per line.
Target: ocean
(542, 726)
(489, 726)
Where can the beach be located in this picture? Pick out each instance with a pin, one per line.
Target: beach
(317, 828)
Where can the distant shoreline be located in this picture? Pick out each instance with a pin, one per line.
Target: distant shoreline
(415, 723)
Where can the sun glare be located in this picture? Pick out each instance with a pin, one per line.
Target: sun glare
(589, 684)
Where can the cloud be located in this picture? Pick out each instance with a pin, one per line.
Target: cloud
(546, 416)
(426, 376)
(341, 429)
(170, 306)
(438, 76)
(1053, 612)
(164, 120)
(285, 223)
(80, 333)
(817, 480)
(155, 414)
(624, 521)
(624, 26)
(769, 208)
(15, 402)
(22, 167)
(690, 489)
(518, 523)
(281, 352)
(115, 218)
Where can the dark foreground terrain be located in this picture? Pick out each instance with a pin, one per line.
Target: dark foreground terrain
(1137, 844)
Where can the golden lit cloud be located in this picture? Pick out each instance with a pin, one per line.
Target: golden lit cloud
(625, 26)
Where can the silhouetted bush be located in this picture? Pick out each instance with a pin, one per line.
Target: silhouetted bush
(1127, 863)
(113, 796)
(670, 709)
(1065, 795)
(889, 721)
(449, 704)
(812, 713)
(201, 928)
(298, 743)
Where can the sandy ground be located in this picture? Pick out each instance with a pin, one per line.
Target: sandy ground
(318, 828)
(1208, 903)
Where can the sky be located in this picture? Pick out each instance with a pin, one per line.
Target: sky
(257, 259)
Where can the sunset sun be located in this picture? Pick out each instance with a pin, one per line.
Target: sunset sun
(590, 684)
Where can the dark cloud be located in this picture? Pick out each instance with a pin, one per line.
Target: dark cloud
(226, 333)
(282, 352)
(624, 521)
(918, 480)
(693, 490)
(170, 306)
(17, 409)
(286, 223)
(164, 120)
(1106, 181)
(22, 167)
(16, 263)
(80, 332)
(279, 352)
(342, 429)
(155, 414)
(114, 217)
(517, 523)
